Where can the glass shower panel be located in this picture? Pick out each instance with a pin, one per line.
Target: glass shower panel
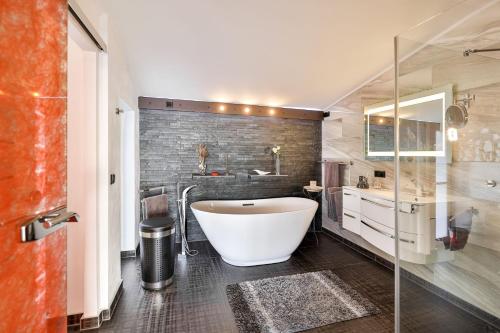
(449, 165)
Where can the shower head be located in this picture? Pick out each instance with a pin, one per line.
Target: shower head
(457, 116)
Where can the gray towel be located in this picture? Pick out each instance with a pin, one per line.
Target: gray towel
(334, 175)
(335, 203)
(155, 206)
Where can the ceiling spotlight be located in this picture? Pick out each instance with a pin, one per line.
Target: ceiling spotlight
(222, 108)
(381, 120)
(247, 109)
(271, 112)
(35, 94)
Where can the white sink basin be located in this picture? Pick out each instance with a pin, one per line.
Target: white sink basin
(406, 197)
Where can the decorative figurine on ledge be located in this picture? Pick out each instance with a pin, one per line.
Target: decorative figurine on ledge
(202, 156)
(277, 152)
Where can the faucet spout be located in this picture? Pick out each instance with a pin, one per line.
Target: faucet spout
(187, 189)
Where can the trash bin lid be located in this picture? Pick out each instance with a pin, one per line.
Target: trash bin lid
(162, 223)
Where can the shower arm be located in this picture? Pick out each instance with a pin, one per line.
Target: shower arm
(468, 52)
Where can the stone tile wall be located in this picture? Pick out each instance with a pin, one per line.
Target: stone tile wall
(169, 140)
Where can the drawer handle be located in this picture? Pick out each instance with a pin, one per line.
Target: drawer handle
(406, 241)
(376, 203)
(349, 215)
(387, 234)
(378, 230)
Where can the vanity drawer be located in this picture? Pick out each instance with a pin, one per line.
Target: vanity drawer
(383, 238)
(350, 221)
(378, 235)
(378, 210)
(350, 200)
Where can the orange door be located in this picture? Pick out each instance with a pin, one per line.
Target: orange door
(32, 162)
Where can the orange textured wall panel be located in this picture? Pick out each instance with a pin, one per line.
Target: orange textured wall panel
(33, 38)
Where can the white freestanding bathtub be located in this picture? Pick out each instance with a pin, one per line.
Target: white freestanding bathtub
(255, 232)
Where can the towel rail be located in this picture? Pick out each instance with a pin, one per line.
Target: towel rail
(162, 188)
(347, 163)
(337, 161)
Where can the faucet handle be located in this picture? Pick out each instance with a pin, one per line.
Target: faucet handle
(491, 183)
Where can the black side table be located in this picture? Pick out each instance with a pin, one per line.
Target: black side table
(313, 193)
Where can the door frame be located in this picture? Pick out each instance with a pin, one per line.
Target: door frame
(96, 282)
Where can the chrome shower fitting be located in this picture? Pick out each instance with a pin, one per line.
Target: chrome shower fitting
(466, 100)
(468, 52)
(181, 207)
(457, 114)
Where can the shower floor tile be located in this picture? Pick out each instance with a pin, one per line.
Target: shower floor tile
(196, 301)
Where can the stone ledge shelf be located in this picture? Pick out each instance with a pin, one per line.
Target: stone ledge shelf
(252, 176)
(197, 175)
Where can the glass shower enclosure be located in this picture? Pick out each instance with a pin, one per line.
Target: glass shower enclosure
(447, 168)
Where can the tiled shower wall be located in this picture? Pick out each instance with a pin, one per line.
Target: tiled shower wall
(475, 159)
(168, 155)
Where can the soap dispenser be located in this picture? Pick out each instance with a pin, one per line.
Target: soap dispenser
(363, 182)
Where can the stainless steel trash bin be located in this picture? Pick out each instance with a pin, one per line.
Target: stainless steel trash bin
(157, 241)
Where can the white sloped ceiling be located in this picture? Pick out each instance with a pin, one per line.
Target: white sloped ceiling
(296, 53)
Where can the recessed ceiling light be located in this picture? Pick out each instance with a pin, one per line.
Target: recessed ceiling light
(222, 108)
(271, 111)
(247, 109)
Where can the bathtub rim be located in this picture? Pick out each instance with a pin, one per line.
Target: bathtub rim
(316, 206)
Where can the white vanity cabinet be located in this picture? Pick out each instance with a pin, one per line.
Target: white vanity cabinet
(370, 213)
(351, 210)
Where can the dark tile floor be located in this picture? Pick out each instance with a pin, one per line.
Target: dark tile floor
(196, 301)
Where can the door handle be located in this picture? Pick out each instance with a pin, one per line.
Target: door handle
(45, 224)
(53, 219)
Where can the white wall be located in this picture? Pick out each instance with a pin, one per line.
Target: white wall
(117, 85)
(130, 178)
(82, 266)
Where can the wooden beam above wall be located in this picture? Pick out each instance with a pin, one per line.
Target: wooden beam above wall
(167, 104)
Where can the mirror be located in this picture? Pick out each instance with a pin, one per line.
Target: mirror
(421, 125)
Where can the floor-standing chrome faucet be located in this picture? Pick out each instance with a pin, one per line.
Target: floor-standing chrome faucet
(181, 206)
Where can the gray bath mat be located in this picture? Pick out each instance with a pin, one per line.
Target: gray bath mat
(295, 303)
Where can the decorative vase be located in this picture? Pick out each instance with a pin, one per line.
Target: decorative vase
(202, 157)
(203, 167)
(277, 165)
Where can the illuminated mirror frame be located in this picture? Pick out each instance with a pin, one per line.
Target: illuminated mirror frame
(444, 93)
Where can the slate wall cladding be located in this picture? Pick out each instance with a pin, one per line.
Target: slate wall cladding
(168, 143)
